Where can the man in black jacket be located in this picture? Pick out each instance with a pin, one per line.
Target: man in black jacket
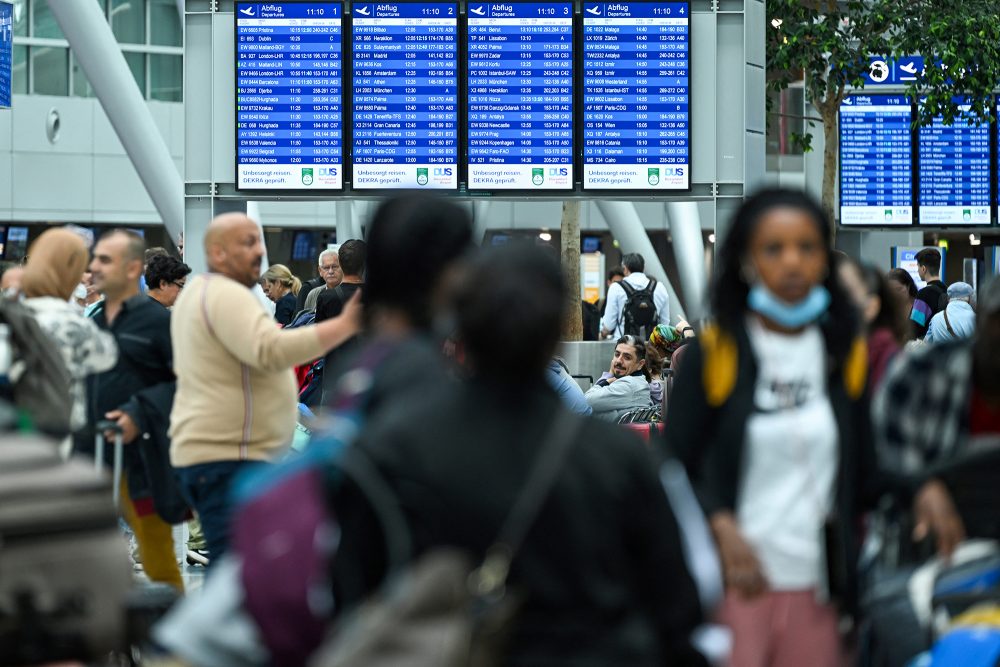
(137, 393)
(601, 569)
(352, 255)
(933, 297)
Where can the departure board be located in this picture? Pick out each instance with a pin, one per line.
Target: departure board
(520, 95)
(954, 161)
(876, 160)
(6, 51)
(636, 91)
(405, 96)
(288, 95)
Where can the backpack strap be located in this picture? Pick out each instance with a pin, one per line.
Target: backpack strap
(651, 286)
(629, 289)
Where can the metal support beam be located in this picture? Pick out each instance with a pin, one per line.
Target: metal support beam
(344, 213)
(689, 253)
(480, 221)
(94, 45)
(626, 226)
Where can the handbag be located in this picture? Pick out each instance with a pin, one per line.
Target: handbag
(442, 610)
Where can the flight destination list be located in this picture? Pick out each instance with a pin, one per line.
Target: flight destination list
(875, 160)
(520, 88)
(288, 95)
(405, 104)
(955, 171)
(636, 95)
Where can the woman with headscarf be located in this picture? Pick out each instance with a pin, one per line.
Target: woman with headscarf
(55, 265)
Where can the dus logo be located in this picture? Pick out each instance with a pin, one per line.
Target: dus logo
(442, 171)
(558, 171)
(328, 171)
(673, 171)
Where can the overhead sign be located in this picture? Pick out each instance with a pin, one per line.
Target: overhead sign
(6, 51)
(289, 87)
(636, 104)
(893, 72)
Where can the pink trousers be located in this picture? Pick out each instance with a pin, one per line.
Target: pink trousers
(782, 629)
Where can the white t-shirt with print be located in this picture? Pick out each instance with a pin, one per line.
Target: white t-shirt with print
(790, 457)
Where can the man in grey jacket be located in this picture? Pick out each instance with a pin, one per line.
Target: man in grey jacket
(626, 386)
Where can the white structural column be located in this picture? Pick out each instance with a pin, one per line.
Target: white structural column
(689, 253)
(480, 220)
(94, 45)
(626, 226)
(344, 215)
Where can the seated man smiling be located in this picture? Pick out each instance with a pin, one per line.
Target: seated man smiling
(626, 386)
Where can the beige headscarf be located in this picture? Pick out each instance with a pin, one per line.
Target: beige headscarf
(55, 264)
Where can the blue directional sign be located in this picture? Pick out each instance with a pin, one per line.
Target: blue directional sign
(6, 51)
(405, 95)
(520, 95)
(289, 88)
(954, 160)
(636, 95)
(876, 160)
(893, 72)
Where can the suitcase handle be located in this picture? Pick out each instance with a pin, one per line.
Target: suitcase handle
(102, 427)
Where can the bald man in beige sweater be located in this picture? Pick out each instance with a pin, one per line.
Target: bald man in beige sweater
(236, 392)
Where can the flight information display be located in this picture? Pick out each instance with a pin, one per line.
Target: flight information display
(288, 95)
(636, 95)
(954, 187)
(876, 160)
(405, 96)
(520, 95)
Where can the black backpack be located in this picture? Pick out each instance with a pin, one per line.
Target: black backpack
(639, 314)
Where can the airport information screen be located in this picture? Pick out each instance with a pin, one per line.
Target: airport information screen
(289, 86)
(405, 95)
(6, 51)
(876, 160)
(520, 95)
(954, 172)
(636, 104)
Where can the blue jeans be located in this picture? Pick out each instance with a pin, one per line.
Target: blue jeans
(206, 488)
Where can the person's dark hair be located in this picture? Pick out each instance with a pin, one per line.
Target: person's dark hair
(640, 350)
(165, 268)
(616, 272)
(903, 277)
(136, 248)
(634, 263)
(654, 361)
(511, 326)
(412, 241)
(352, 256)
(890, 314)
(730, 288)
(930, 258)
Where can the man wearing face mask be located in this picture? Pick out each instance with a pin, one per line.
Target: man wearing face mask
(626, 386)
(768, 414)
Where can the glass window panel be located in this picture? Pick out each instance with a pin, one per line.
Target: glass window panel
(165, 77)
(128, 21)
(164, 23)
(19, 83)
(21, 18)
(81, 84)
(50, 70)
(137, 63)
(43, 22)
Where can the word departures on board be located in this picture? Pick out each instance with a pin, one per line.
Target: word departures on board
(954, 168)
(520, 127)
(289, 87)
(876, 160)
(636, 96)
(405, 95)
(481, 96)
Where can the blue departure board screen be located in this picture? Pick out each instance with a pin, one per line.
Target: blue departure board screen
(289, 80)
(954, 160)
(520, 95)
(6, 51)
(405, 88)
(636, 89)
(875, 160)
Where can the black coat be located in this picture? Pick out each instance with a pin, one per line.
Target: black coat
(602, 568)
(707, 415)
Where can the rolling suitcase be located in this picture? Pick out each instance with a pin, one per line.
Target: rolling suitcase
(64, 567)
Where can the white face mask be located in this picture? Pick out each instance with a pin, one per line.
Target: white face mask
(80, 292)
